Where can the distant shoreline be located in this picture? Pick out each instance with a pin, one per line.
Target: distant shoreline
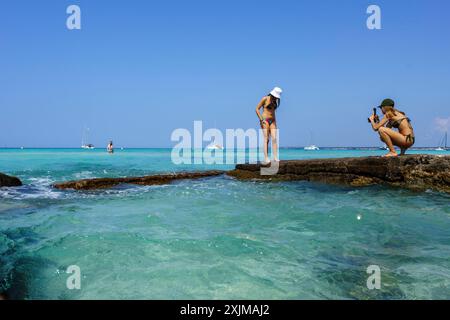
(146, 148)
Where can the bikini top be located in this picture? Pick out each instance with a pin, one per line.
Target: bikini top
(396, 124)
(272, 106)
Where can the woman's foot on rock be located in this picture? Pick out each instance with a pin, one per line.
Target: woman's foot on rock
(391, 154)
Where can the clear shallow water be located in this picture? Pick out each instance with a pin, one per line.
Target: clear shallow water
(215, 238)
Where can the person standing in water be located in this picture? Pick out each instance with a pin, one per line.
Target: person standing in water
(110, 147)
(268, 121)
(393, 118)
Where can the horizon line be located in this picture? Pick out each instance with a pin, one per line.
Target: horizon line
(287, 147)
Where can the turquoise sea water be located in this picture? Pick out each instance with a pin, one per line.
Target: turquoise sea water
(214, 238)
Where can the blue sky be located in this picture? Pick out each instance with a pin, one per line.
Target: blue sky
(137, 70)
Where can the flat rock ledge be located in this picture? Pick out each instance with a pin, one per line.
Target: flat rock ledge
(104, 183)
(410, 171)
(8, 181)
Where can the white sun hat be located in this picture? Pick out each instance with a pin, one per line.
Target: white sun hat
(276, 92)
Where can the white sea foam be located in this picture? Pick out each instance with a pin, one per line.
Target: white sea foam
(43, 181)
(84, 175)
(37, 188)
(42, 188)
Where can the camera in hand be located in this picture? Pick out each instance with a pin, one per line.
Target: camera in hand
(376, 119)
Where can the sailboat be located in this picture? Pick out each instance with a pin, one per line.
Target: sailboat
(214, 145)
(443, 144)
(311, 147)
(85, 138)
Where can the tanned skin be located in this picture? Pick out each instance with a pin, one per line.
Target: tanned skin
(390, 137)
(268, 130)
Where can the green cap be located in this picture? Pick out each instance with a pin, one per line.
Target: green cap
(386, 103)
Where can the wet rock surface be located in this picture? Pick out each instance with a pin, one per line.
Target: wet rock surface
(8, 181)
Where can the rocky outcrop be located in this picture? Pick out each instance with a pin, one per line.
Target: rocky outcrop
(411, 171)
(7, 181)
(103, 183)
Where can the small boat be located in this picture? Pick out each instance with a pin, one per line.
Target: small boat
(214, 146)
(385, 147)
(443, 144)
(312, 148)
(84, 138)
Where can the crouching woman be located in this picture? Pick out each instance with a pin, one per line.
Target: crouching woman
(393, 118)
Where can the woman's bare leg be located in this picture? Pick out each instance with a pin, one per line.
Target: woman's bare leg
(265, 129)
(273, 135)
(385, 137)
(391, 138)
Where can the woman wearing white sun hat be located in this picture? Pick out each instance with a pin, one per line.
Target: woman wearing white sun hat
(268, 121)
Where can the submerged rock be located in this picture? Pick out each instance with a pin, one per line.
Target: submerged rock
(8, 181)
(411, 171)
(103, 183)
